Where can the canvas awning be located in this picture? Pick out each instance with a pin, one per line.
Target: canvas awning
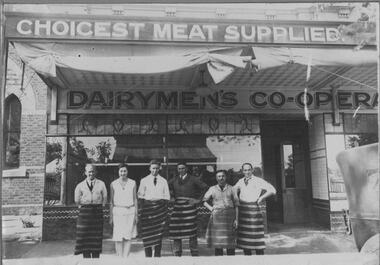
(163, 66)
(45, 61)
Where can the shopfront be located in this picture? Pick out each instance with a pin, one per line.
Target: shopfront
(213, 93)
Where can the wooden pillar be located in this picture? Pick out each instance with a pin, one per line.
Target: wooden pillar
(2, 91)
(63, 173)
(53, 105)
(3, 74)
(335, 108)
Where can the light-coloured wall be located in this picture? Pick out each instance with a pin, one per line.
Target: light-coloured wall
(318, 165)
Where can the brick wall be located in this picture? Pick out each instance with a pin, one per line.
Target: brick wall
(23, 194)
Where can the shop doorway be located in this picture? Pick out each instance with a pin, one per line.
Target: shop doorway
(286, 166)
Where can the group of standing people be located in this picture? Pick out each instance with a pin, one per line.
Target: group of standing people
(236, 219)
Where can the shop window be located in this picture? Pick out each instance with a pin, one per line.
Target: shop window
(230, 152)
(99, 151)
(163, 124)
(117, 124)
(288, 166)
(361, 123)
(54, 170)
(355, 140)
(204, 154)
(12, 131)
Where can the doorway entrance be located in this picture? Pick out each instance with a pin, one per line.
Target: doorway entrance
(286, 166)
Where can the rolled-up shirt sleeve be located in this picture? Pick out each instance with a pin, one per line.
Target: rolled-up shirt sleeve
(235, 197)
(236, 189)
(207, 195)
(142, 189)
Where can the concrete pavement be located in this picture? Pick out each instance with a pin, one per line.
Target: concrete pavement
(291, 259)
(296, 242)
(295, 247)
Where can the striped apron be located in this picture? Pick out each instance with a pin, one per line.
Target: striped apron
(251, 226)
(183, 221)
(220, 232)
(153, 215)
(89, 234)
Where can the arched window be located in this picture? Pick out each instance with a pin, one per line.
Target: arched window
(12, 130)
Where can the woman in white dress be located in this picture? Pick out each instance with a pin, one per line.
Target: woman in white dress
(123, 211)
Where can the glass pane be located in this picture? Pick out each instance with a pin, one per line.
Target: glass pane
(231, 151)
(54, 170)
(213, 124)
(14, 115)
(206, 154)
(107, 152)
(117, 124)
(355, 140)
(362, 123)
(12, 150)
(288, 166)
(82, 150)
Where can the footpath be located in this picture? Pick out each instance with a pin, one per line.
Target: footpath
(293, 248)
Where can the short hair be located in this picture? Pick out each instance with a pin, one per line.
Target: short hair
(90, 165)
(221, 170)
(257, 171)
(182, 163)
(155, 162)
(246, 163)
(121, 165)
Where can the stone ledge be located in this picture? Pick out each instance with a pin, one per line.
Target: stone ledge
(20, 172)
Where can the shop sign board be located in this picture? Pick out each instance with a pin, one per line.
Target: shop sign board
(114, 101)
(212, 31)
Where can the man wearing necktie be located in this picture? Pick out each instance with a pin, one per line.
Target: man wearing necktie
(154, 196)
(183, 221)
(251, 191)
(90, 196)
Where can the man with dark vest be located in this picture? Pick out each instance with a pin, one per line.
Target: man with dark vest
(183, 221)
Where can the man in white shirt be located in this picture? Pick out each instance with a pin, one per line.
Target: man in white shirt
(154, 195)
(90, 196)
(251, 191)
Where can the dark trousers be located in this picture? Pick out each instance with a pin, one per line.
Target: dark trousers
(193, 244)
(248, 252)
(89, 255)
(149, 250)
(230, 252)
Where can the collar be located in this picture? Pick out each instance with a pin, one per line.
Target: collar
(120, 181)
(225, 187)
(184, 176)
(151, 176)
(91, 181)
